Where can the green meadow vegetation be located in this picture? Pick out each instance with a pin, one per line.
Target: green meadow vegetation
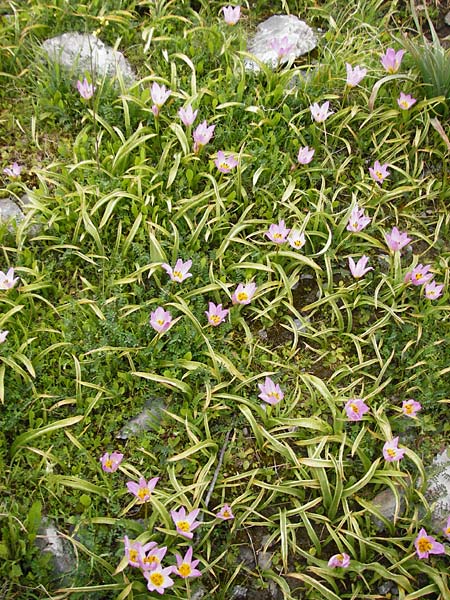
(321, 380)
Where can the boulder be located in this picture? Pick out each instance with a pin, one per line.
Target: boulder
(84, 52)
(296, 35)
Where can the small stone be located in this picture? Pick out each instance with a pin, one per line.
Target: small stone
(386, 503)
(247, 557)
(438, 490)
(447, 18)
(10, 213)
(298, 35)
(49, 540)
(82, 52)
(239, 592)
(147, 420)
(198, 593)
(264, 560)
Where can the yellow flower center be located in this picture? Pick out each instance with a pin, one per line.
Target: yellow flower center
(275, 395)
(277, 236)
(408, 408)
(424, 545)
(143, 492)
(224, 165)
(157, 579)
(354, 408)
(404, 104)
(418, 276)
(214, 319)
(378, 174)
(355, 225)
(160, 321)
(178, 275)
(242, 296)
(447, 531)
(340, 558)
(132, 555)
(185, 570)
(183, 526)
(392, 452)
(226, 514)
(151, 560)
(108, 464)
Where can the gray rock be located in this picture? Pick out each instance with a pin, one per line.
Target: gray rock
(147, 420)
(83, 52)
(299, 37)
(239, 592)
(247, 557)
(386, 504)
(438, 490)
(264, 560)
(447, 18)
(198, 593)
(10, 213)
(49, 540)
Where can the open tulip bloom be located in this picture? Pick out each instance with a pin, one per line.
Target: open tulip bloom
(13, 171)
(405, 101)
(354, 74)
(391, 60)
(410, 408)
(356, 409)
(159, 95)
(244, 293)
(158, 580)
(231, 14)
(433, 290)
(111, 462)
(185, 523)
(419, 275)
(281, 46)
(187, 115)
(270, 392)
(379, 172)
(296, 239)
(180, 272)
(305, 155)
(160, 319)
(216, 314)
(359, 269)
(225, 513)
(357, 220)
(3, 335)
(142, 490)
(320, 113)
(7, 280)
(134, 551)
(202, 135)
(186, 566)
(391, 451)
(339, 560)
(278, 233)
(396, 240)
(85, 89)
(225, 164)
(426, 544)
(151, 557)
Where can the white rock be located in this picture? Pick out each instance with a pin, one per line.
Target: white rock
(447, 19)
(10, 213)
(297, 33)
(83, 52)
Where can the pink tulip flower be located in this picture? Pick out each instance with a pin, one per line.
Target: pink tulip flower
(160, 319)
(356, 409)
(405, 101)
(270, 392)
(391, 60)
(186, 566)
(13, 171)
(426, 544)
(7, 280)
(433, 290)
(134, 551)
(158, 580)
(379, 172)
(339, 560)
(358, 220)
(111, 462)
(305, 155)
(419, 275)
(187, 115)
(152, 557)
(392, 452)
(278, 233)
(320, 112)
(359, 269)
(142, 490)
(354, 75)
(396, 240)
(231, 14)
(185, 523)
(202, 135)
(244, 293)
(159, 95)
(225, 513)
(281, 46)
(216, 314)
(3, 336)
(180, 272)
(296, 239)
(225, 164)
(410, 408)
(85, 89)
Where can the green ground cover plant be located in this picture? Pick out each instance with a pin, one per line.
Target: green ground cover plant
(260, 261)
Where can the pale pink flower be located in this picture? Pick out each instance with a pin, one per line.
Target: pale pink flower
(111, 462)
(356, 409)
(180, 272)
(419, 275)
(160, 319)
(142, 490)
(426, 544)
(7, 280)
(358, 219)
(405, 101)
(187, 115)
(85, 89)
(446, 529)
(158, 580)
(231, 14)
(391, 451)
(3, 336)
(134, 551)
(216, 314)
(244, 293)
(159, 95)
(433, 290)
(225, 164)
(354, 74)
(296, 239)
(305, 155)
(410, 408)
(396, 240)
(186, 566)
(152, 557)
(278, 233)
(13, 171)
(320, 112)
(281, 46)
(359, 269)
(391, 60)
(379, 172)
(185, 522)
(270, 392)
(202, 135)
(339, 560)
(225, 513)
